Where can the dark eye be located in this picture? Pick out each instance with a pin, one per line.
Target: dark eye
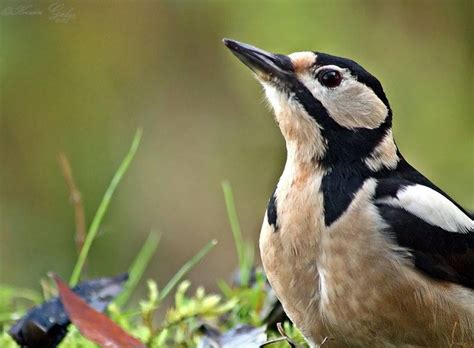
(330, 78)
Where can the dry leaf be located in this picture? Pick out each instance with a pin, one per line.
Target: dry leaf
(92, 324)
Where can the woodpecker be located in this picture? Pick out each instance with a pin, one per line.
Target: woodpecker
(358, 245)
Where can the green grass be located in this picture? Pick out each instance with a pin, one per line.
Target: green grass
(181, 324)
(104, 204)
(245, 253)
(137, 268)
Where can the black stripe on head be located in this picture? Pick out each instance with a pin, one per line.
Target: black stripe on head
(344, 145)
(357, 71)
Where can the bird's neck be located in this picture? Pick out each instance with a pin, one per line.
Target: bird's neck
(302, 152)
(381, 156)
(384, 158)
(301, 163)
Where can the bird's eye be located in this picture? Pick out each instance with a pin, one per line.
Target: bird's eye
(330, 78)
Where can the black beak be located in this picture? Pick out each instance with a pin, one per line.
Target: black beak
(264, 64)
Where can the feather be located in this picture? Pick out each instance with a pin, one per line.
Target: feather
(432, 207)
(425, 221)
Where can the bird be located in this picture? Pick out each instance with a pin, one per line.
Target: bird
(361, 249)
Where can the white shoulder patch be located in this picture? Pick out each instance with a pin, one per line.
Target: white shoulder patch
(432, 207)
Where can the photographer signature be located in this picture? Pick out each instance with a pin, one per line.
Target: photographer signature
(61, 13)
(58, 11)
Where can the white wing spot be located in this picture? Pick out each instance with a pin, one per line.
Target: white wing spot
(432, 207)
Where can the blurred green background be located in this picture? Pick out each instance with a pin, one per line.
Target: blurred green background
(82, 84)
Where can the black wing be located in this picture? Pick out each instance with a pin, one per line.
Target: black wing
(438, 233)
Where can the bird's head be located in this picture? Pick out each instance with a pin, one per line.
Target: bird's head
(329, 109)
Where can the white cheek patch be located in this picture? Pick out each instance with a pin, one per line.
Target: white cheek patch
(352, 104)
(432, 207)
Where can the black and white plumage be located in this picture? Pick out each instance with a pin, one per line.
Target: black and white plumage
(357, 244)
(437, 232)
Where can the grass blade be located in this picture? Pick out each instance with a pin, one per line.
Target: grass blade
(185, 269)
(104, 204)
(236, 232)
(138, 268)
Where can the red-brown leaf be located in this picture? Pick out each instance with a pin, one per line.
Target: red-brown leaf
(92, 324)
